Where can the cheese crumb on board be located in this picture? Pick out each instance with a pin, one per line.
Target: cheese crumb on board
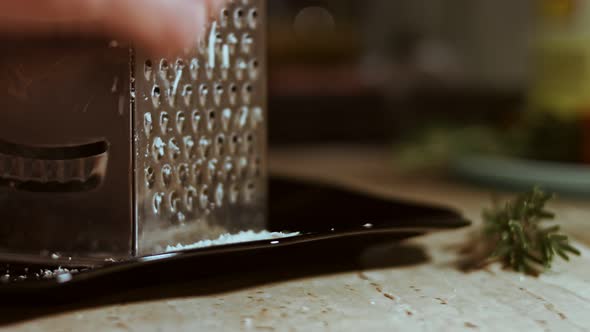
(224, 239)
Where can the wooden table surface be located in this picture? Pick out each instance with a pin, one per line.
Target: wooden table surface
(432, 295)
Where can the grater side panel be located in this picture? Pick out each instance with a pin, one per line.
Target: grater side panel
(200, 134)
(65, 128)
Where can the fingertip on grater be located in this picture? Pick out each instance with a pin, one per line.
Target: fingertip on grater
(107, 153)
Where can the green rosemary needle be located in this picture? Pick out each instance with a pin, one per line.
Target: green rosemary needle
(515, 235)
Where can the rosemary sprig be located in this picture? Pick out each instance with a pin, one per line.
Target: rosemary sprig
(514, 234)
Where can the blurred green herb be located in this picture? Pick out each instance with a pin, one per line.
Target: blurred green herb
(514, 234)
(436, 145)
(536, 135)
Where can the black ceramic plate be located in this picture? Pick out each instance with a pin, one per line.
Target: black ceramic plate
(330, 220)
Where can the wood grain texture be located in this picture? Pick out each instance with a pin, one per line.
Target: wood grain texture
(429, 296)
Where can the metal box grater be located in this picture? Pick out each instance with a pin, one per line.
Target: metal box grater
(106, 153)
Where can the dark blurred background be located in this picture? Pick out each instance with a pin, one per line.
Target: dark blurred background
(349, 70)
(381, 71)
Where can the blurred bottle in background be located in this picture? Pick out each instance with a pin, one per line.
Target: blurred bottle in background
(560, 63)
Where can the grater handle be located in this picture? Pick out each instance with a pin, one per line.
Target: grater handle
(53, 169)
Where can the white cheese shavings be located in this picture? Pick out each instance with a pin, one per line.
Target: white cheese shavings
(247, 236)
(49, 274)
(212, 42)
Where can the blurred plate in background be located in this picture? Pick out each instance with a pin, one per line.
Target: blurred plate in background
(521, 174)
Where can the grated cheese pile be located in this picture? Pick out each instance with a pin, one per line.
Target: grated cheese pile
(248, 236)
(49, 274)
(61, 274)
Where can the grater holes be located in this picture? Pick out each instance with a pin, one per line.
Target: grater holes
(179, 64)
(248, 146)
(183, 173)
(218, 89)
(241, 119)
(234, 193)
(203, 92)
(241, 167)
(255, 170)
(148, 125)
(214, 111)
(204, 147)
(164, 122)
(218, 43)
(219, 145)
(218, 93)
(174, 202)
(187, 94)
(247, 90)
(209, 71)
(179, 217)
(253, 69)
(164, 66)
(246, 43)
(189, 147)
(197, 172)
(166, 175)
(226, 119)
(204, 197)
(172, 91)
(173, 148)
(232, 41)
(211, 172)
(227, 168)
(150, 177)
(233, 143)
(248, 192)
(233, 92)
(238, 18)
(196, 121)
(253, 18)
(180, 122)
(240, 67)
(157, 201)
(190, 198)
(256, 118)
(194, 69)
(148, 69)
(211, 120)
(219, 195)
(156, 96)
(164, 69)
(224, 17)
(158, 149)
(218, 48)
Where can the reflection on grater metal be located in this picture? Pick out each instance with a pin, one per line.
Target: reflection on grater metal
(106, 153)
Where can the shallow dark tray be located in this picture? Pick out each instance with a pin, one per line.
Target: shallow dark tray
(330, 220)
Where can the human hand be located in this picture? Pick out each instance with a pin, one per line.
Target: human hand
(158, 25)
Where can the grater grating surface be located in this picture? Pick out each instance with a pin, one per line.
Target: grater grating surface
(200, 141)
